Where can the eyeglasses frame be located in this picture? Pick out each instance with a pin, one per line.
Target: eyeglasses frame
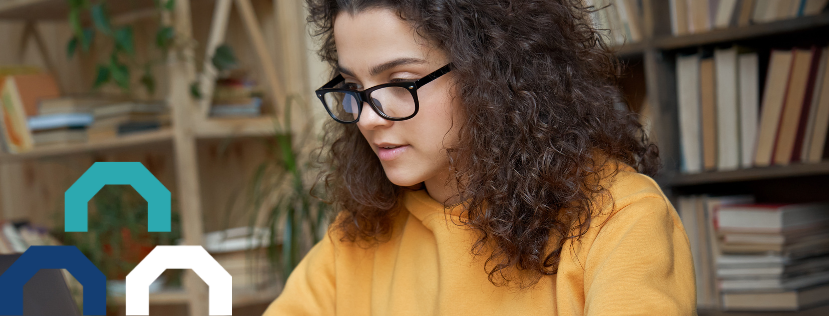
(362, 96)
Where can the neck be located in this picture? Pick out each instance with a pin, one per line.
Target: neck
(442, 190)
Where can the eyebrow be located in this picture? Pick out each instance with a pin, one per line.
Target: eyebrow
(384, 66)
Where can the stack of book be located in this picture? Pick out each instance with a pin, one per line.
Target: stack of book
(236, 98)
(622, 18)
(760, 257)
(697, 16)
(721, 126)
(241, 252)
(125, 118)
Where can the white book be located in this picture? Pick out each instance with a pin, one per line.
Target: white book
(749, 106)
(771, 217)
(728, 119)
(687, 86)
(774, 284)
(725, 12)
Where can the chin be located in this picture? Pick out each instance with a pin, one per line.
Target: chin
(402, 178)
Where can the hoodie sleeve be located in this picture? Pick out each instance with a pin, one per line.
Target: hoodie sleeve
(310, 289)
(640, 262)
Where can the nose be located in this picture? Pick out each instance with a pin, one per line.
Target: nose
(370, 120)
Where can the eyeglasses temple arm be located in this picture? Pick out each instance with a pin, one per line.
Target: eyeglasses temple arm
(434, 75)
(333, 82)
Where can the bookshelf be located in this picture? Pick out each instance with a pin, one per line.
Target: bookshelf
(182, 156)
(793, 183)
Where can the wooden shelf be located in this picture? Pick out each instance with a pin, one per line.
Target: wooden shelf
(235, 127)
(741, 33)
(163, 135)
(180, 296)
(772, 172)
(631, 50)
(213, 128)
(59, 9)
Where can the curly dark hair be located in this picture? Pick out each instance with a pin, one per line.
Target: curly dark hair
(538, 87)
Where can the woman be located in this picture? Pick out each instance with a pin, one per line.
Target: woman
(480, 168)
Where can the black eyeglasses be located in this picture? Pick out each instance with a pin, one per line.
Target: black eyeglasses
(396, 101)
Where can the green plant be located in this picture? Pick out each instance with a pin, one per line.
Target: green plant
(122, 56)
(294, 213)
(117, 239)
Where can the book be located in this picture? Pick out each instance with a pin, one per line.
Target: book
(777, 301)
(746, 8)
(806, 122)
(759, 13)
(31, 88)
(770, 217)
(52, 121)
(774, 95)
(679, 17)
(773, 283)
(813, 7)
(800, 267)
(725, 15)
(128, 107)
(708, 114)
(699, 16)
(749, 81)
(77, 104)
(16, 135)
(793, 106)
(630, 19)
(687, 82)
(818, 132)
(709, 207)
(63, 136)
(727, 107)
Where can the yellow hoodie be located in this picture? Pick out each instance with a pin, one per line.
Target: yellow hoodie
(634, 260)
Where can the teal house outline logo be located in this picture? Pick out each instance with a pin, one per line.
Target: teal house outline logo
(100, 174)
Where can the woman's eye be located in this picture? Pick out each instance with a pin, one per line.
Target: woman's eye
(351, 85)
(396, 80)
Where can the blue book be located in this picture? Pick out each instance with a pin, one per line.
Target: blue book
(44, 122)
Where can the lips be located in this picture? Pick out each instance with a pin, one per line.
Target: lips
(388, 151)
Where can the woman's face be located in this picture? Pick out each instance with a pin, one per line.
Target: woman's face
(376, 47)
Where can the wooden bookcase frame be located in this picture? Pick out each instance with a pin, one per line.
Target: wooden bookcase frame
(190, 121)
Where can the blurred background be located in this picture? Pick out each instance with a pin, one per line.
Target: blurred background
(215, 98)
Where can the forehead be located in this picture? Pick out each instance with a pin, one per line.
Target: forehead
(375, 36)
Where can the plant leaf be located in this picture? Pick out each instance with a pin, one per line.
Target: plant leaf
(101, 18)
(223, 58)
(148, 81)
(195, 90)
(120, 73)
(124, 40)
(164, 36)
(102, 77)
(87, 36)
(170, 5)
(75, 21)
(71, 47)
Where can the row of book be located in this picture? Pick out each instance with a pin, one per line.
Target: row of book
(697, 16)
(720, 119)
(34, 113)
(759, 257)
(622, 18)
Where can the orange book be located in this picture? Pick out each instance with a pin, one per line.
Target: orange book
(793, 106)
(35, 87)
(709, 114)
(774, 96)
